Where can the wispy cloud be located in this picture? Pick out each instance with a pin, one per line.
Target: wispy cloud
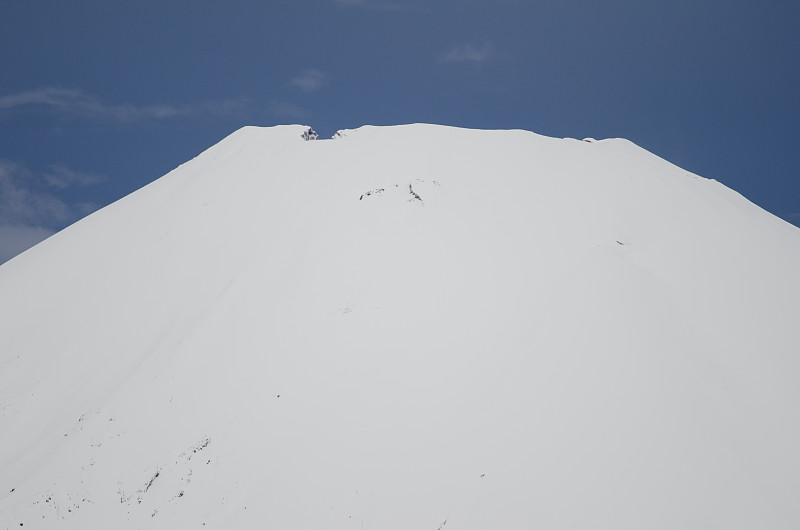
(22, 203)
(310, 80)
(468, 53)
(60, 177)
(79, 104)
(17, 239)
(30, 210)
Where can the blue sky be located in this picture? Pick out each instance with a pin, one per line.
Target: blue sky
(98, 98)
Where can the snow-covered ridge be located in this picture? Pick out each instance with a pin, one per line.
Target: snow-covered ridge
(406, 326)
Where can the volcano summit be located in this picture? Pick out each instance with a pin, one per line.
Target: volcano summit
(408, 327)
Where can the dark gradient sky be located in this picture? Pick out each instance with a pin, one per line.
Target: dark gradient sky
(98, 98)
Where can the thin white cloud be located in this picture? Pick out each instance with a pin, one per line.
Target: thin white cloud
(77, 103)
(85, 208)
(310, 80)
(15, 239)
(22, 204)
(467, 53)
(60, 177)
(29, 209)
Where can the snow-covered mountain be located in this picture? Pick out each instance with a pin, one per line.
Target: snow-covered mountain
(411, 327)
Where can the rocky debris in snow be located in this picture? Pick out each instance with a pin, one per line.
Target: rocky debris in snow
(123, 495)
(414, 196)
(199, 446)
(147, 487)
(376, 191)
(341, 133)
(310, 134)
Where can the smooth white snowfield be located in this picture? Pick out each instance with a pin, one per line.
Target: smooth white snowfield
(279, 335)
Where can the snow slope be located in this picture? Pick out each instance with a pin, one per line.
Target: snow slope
(411, 327)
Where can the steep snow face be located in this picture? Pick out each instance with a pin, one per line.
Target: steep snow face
(406, 327)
